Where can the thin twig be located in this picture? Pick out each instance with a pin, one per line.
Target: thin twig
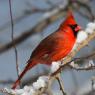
(92, 84)
(82, 58)
(82, 68)
(12, 36)
(60, 84)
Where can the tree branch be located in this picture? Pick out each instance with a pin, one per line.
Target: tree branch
(60, 84)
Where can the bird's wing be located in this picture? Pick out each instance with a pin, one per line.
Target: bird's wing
(47, 45)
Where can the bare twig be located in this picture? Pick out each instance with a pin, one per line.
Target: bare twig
(83, 58)
(92, 84)
(60, 84)
(82, 68)
(12, 36)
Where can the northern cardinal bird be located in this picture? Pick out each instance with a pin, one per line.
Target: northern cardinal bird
(54, 47)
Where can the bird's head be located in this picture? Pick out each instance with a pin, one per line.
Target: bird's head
(71, 23)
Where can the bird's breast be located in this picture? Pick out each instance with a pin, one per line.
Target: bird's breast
(63, 47)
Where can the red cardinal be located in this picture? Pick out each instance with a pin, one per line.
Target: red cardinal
(54, 47)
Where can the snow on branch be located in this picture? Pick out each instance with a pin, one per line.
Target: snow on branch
(43, 84)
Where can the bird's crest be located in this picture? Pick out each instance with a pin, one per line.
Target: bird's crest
(69, 20)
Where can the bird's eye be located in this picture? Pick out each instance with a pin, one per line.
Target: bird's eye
(74, 27)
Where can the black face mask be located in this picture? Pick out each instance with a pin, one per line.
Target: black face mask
(73, 27)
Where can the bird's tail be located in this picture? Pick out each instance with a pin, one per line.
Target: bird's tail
(30, 65)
